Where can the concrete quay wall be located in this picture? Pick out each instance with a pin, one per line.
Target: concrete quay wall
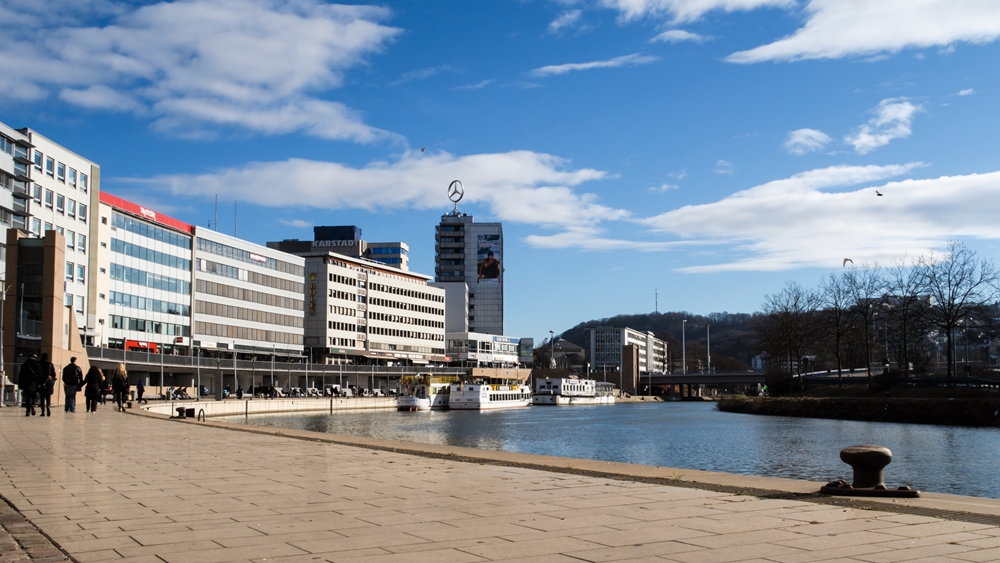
(236, 407)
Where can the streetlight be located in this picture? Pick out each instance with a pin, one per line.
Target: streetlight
(552, 349)
(708, 337)
(684, 363)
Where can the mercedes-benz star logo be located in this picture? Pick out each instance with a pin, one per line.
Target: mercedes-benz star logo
(455, 191)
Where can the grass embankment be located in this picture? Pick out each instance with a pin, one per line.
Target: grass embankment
(954, 406)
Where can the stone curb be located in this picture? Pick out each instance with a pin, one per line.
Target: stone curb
(20, 540)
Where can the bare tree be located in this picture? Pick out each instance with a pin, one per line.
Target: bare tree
(865, 287)
(905, 309)
(837, 318)
(958, 285)
(788, 325)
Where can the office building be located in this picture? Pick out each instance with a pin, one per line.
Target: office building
(468, 265)
(15, 181)
(247, 297)
(476, 349)
(142, 287)
(362, 311)
(604, 349)
(347, 241)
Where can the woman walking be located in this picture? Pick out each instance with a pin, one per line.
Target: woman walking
(93, 386)
(119, 384)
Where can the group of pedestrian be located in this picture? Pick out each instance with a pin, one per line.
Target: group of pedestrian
(37, 380)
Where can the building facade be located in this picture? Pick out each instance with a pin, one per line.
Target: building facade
(143, 280)
(469, 260)
(363, 311)
(246, 297)
(478, 349)
(604, 349)
(15, 182)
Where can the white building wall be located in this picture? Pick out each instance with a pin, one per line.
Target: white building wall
(225, 312)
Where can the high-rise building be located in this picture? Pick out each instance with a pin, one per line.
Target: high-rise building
(468, 265)
(15, 181)
(604, 349)
(347, 241)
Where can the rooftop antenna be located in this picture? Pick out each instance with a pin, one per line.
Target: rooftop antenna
(656, 293)
(455, 193)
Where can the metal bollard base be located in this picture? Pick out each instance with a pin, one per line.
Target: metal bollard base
(843, 488)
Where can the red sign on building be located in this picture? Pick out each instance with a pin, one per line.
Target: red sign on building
(145, 213)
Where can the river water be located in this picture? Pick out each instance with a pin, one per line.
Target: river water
(944, 459)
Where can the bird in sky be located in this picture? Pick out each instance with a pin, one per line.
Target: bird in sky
(846, 260)
(878, 193)
(422, 150)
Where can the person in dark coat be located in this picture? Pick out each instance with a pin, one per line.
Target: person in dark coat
(27, 382)
(46, 385)
(93, 387)
(72, 379)
(140, 388)
(120, 386)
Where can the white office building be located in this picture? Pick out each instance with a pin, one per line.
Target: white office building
(604, 349)
(364, 311)
(469, 266)
(247, 297)
(15, 182)
(476, 349)
(142, 285)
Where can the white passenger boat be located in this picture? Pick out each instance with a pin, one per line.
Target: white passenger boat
(491, 389)
(424, 392)
(573, 391)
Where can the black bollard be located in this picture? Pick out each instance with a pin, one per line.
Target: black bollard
(868, 461)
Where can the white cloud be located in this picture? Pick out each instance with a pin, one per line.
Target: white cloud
(678, 36)
(685, 10)
(802, 141)
(664, 188)
(520, 186)
(843, 28)
(679, 175)
(258, 61)
(892, 120)
(625, 60)
(724, 167)
(966, 92)
(297, 223)
(422, 74)
(569, 18)
(810, 220)
(475, 86)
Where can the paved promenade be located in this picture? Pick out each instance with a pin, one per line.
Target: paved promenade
(126, 487)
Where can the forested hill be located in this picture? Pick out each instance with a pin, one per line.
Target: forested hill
(732, 334)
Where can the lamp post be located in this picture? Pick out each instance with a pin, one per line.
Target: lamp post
(684, 363)
(708, 340)
(3, 371)
(552, 349)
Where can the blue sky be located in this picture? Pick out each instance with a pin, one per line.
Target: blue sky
(707, 150)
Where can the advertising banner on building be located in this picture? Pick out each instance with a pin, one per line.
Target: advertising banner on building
(488, 256)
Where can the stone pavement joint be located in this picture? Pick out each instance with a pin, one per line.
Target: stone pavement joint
(21, 541)
(120, 487)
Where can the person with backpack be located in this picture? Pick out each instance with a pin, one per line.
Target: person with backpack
(72, 379)
(119, 385)
(27, 382)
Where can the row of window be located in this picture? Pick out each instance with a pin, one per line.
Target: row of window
(406, 306)
(336, 294)
(389, 260)
(249, 257)
(216, 268)
(405, 292)
(147, 304)
(404, 333)
(80, 270)
(376, 316)
(334, 325)
(404, 348)
(387, 250)
(154, 327)
(244, 314)
(252, 277)
(142, 228)
(245, 333)
(222, 290)
(12, 148)
(345, 342)
(60, 203)
(68, 301)
(147, 279)
(57, 170)
(337, 278)
(343, 311)
(149, 255)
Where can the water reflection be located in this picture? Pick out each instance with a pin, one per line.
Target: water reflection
(690, 436)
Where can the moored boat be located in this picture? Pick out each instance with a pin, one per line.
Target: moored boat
(491, 389)
(424, 392)
(573, 391)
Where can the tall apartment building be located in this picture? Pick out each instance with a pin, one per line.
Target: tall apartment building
(604, 349)
(468, 265)
(247, 297)
(15, 182)
(142, 287)
(64, 190)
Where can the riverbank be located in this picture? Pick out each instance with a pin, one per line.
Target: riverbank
(961, 411)
(217, 492)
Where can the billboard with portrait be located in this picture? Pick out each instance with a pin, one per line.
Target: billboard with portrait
(488, 257)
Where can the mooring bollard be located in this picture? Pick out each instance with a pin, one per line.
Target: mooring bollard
(868, 461)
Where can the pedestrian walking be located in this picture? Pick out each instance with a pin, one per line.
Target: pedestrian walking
(46, 385)
(72, 380)
(27, 382)
(140, 388)
(119, 384)
(93, 387)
